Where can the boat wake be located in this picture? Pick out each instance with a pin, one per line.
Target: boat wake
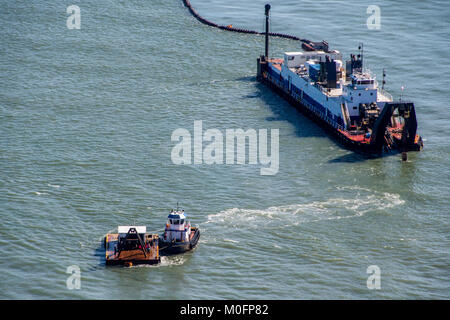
(170, 261)
(363, 202)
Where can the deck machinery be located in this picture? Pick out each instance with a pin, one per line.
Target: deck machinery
(131, 245)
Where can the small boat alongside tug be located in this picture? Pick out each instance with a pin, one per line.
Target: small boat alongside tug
(179, 236)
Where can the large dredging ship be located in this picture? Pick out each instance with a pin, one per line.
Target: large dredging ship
(342, 98)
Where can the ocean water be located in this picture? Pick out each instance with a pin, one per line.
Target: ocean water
(86, 118)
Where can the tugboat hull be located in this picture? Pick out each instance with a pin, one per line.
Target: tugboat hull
(170, 248)
(129, 263)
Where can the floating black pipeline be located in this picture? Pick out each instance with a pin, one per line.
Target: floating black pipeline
(231, 28)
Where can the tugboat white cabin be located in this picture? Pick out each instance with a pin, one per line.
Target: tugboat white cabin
(177, 228)
(179, 236)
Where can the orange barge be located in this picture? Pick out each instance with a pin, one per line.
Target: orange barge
(131, 245)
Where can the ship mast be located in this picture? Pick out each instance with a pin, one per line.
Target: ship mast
(361, 55)
(267, 7)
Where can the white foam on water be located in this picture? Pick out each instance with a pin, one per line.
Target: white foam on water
(165, 262)
(170, 261)
(362, 202)
(231, 240)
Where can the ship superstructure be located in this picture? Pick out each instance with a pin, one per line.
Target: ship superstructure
(342, 97)
(179, 235)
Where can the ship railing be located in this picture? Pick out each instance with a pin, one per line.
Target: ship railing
(386, 94)
(323, 116)
(357, 132)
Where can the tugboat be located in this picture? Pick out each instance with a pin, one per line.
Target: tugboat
(132, 245)
(342, 97)
(179, 236)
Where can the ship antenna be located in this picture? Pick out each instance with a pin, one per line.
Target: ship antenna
(401, 95)
(361, 55)
(177, 207)
(267, 7)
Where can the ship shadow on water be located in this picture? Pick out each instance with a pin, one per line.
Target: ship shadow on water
(99, 253)
(304, 126)
(352, 158)
(247, 79)
(283, 111)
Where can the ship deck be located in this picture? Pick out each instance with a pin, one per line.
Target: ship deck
(361, 138)
(396, 132)
(382, 96)
(134, 255)
(276, 63)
